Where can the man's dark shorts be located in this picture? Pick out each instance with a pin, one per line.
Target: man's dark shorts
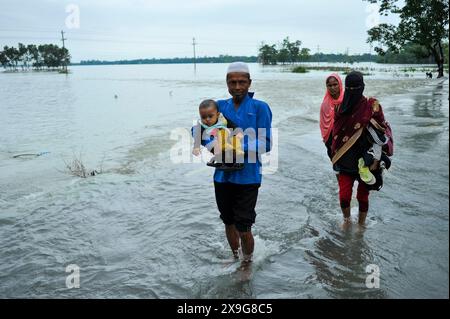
(236, 203)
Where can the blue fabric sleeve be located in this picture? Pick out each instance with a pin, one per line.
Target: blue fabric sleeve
(264, 122)
(220, 104)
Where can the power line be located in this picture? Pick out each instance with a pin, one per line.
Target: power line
(107, 36)
(92, 37)
(93, 40)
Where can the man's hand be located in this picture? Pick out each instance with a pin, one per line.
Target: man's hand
(196, 151)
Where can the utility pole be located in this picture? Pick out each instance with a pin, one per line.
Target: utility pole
(318, 52)
(195, 57)
(347, 59)
(63, 39)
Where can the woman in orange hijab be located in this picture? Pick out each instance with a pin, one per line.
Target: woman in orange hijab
(333, 97)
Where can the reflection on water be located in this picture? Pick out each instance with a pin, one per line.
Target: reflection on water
(428, 109)
(149, 228)
(340, 260)
(430, 103)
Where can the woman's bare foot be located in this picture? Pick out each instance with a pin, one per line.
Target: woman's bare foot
(346, 223)
(362, 218)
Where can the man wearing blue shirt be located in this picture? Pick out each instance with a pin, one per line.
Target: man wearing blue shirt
(237, 191)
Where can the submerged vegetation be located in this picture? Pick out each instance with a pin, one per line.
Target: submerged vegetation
(367, 71)
(343, 69)
(76, 167)
(300, 69)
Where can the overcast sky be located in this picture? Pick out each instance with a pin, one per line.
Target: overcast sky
(120, 29)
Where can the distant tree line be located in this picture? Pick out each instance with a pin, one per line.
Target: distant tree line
(343, 58)
(400, 58)
(411, 53)
(38, 57)
(186, 60)
(285, 52)
(290, 52)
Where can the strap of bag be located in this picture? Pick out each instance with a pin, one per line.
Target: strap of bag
(347, 145)
(376, 125)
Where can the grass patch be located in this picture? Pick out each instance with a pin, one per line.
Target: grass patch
(329, 68)
(362, 72)
(343, 69)
(414, 69)
(300, 69)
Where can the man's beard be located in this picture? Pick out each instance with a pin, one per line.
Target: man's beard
(238, 97)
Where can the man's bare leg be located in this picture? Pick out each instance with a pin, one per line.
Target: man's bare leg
(233, 239)
(248, 245)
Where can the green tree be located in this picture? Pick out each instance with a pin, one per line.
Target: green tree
(267, 54)
(48, 55)
(289, 51)
(43, 54)
(12, 54)
(283, 56)
(4, 61)
(409, 53)
(445, 47)
(63, 57)
(423, 22)
(22, 51)
(304, 54)
(32, 55)
(294, 49)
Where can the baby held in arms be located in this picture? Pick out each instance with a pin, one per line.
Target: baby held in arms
(218, 135)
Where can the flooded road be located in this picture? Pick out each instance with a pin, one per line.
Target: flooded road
(148, 227)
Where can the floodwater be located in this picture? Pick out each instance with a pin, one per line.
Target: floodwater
(147, 226)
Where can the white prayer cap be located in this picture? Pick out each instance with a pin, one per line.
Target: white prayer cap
(239, 67)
